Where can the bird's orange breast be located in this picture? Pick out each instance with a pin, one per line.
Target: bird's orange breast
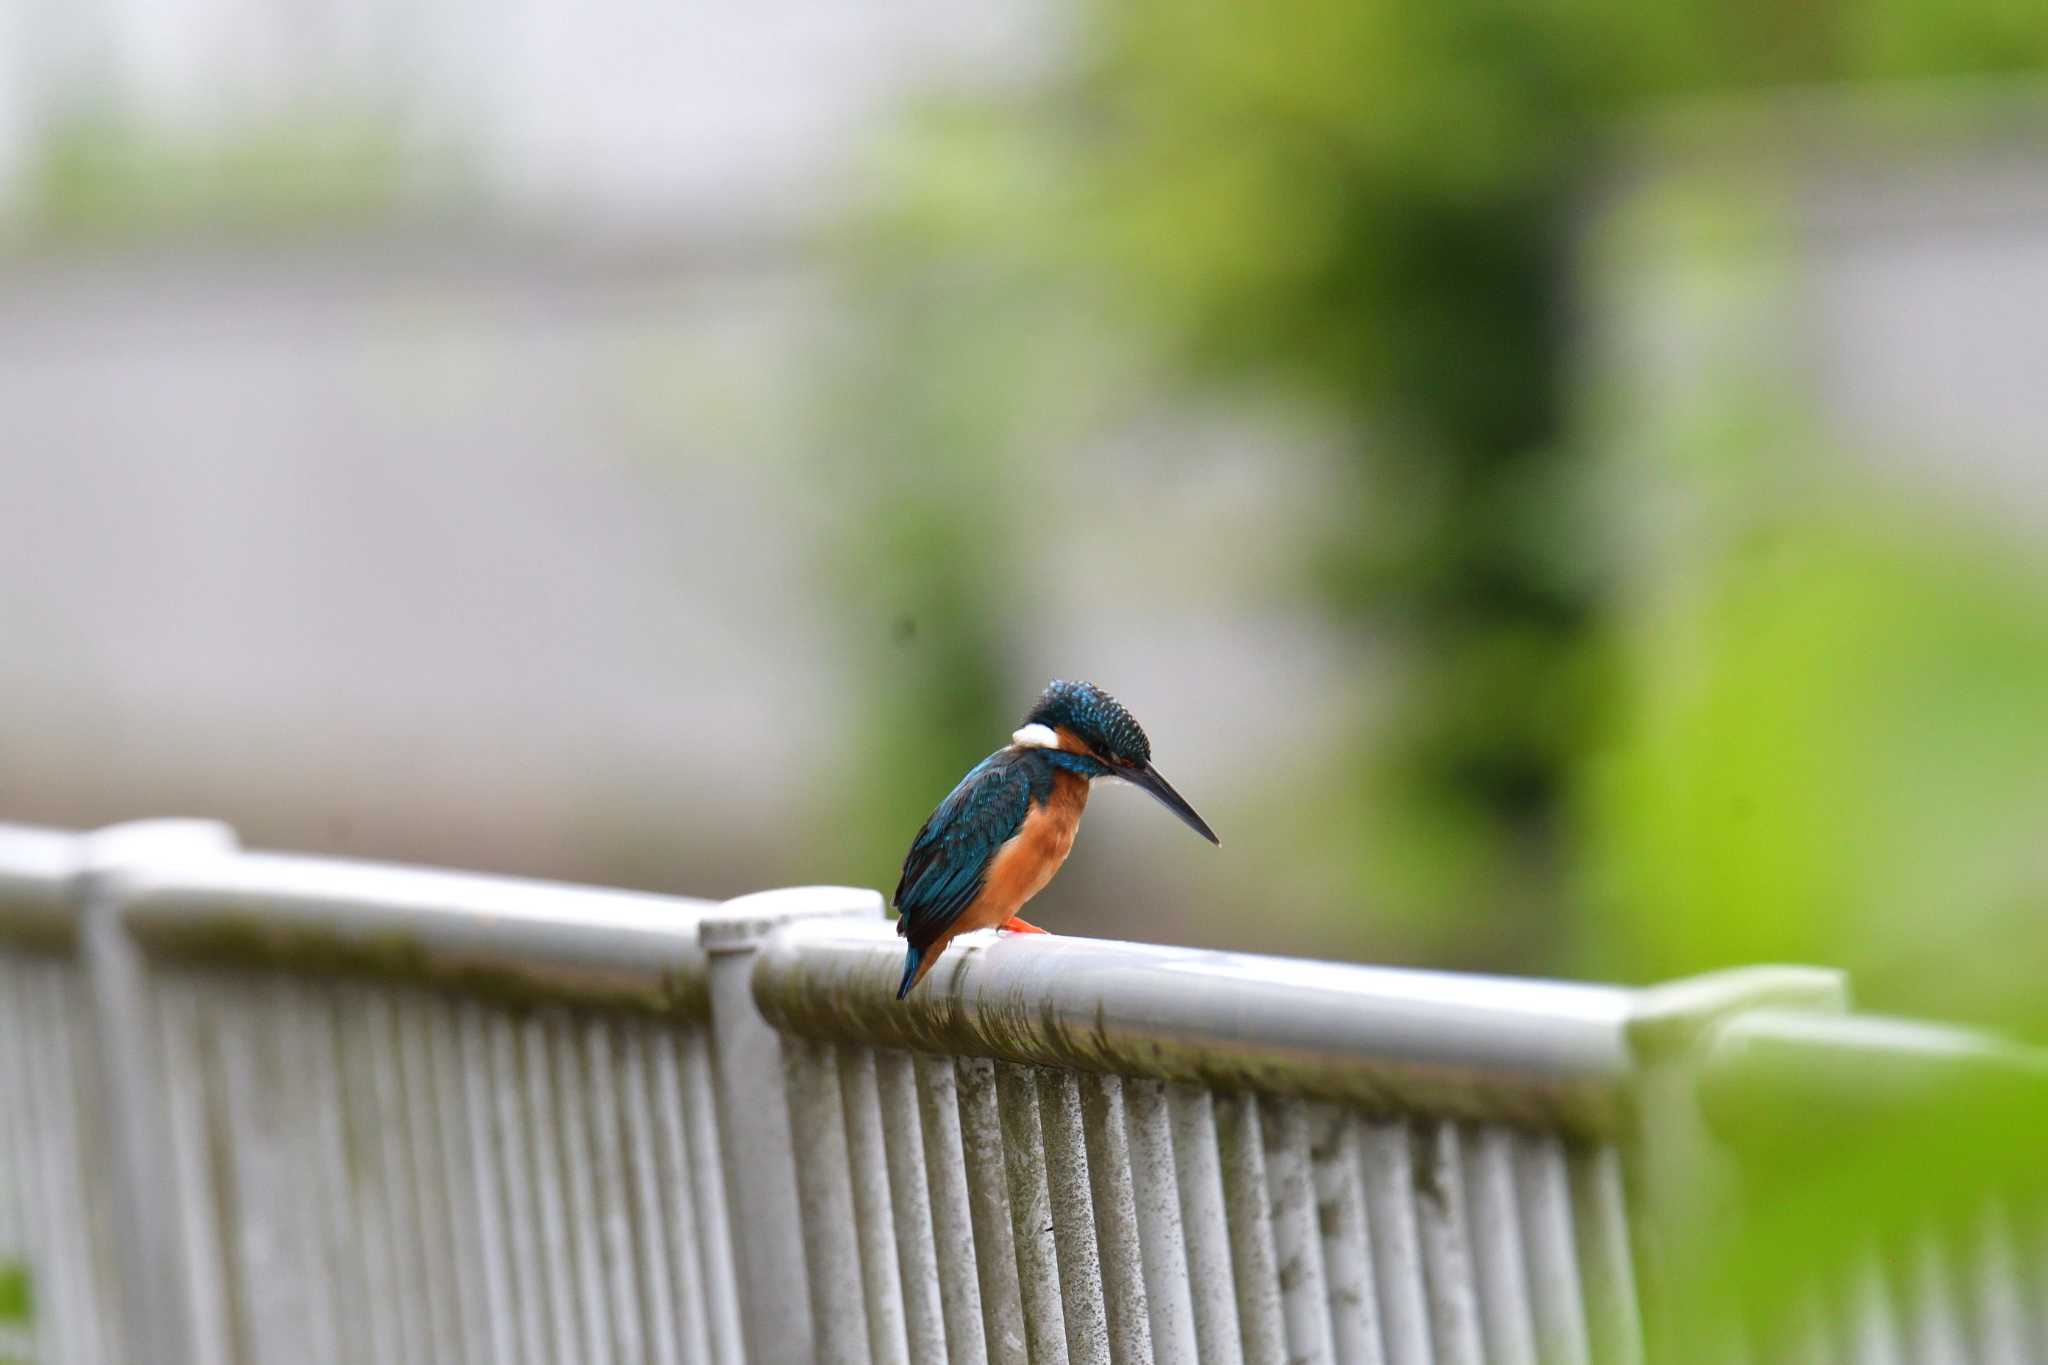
(1024, 864)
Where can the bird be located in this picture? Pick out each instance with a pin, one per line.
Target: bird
(999, 836)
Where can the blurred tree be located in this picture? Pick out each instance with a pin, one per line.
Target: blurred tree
(100, 176)
(1368, 204)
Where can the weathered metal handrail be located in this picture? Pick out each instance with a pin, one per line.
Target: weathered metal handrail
(59, 1291)
(499, 937)
(527, 1068)
(1770, 1071)
(509, 1120)
(38, 872)
(1546, 1053)
(1234, 1158)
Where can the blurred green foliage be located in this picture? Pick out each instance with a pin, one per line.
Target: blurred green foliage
(1837, 751)
(1369, 207)
(102, 176)
(17, 1304)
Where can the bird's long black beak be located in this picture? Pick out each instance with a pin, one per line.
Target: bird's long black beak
(1148, 777)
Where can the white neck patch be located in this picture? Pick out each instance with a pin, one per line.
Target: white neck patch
(1036, 737)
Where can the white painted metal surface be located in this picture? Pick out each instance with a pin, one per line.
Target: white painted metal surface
(1184, 1156)
(347, 1113)
(1539, 1053)
(59, 1285)
(59, 1233)
(436, 1118)
(383, 1114)
(384, 1171)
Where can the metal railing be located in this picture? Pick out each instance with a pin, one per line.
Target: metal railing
(1180, 1155)
(1958, 1273)
(261, 1108)
(361, 1112)
(59, 1235)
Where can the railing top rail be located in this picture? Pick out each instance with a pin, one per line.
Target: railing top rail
(1536, 1052)
(1776, 1076)
(507, 937)
(38, 870)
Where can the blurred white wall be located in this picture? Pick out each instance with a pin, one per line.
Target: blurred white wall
(1877, 263)
(509, 556)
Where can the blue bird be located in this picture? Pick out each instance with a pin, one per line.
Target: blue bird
(996, 840)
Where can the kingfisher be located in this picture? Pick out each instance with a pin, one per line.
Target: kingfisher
(998, 837)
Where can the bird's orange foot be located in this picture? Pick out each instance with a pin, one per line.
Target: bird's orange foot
(1017, 926)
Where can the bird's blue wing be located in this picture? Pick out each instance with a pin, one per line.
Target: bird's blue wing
(949, 858)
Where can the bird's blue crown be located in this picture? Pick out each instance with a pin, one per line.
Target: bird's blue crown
(1096, 717)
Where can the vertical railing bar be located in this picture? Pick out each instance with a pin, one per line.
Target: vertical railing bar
(550, 1172)
(756, 1114)
(1198, 1175)
(1335, 1167)
(1155, 1198)
(825, 1197)
(480, 1317)
(1070, 1198)
(1106, 1123)
(688, 1287)
(873, 1198)
(1808, 1336)
(2001, 1313)
(1937, 1321)
(1870, 1317)
(1240, 1148)
(586, 1248)
(440, 1281)
(487, 1178)
(957, 1258)
(714, 1227)
(516, 1194)
(307, 1109)
(369, 1133)
(654, 1232)
(256, 1118)
(988, 1190)
(315, 1057)
(1400, 1276)
(72, 1312)
(17, 1235)
(2033, 1215)
(224, 1180)
(74, 1064)
(203, 1241)
(244, 1151)
(1297, 1234)
(105, 1234)
(1023, 1148)
(1495, 1237)
(1557, 1299)
(159, 1296)
(1441, 1221)
(918, 1246)
(611, 1202)
(1600, 1224)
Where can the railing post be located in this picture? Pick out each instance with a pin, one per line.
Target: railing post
(754, 1116)
(159, 1283)
(1681, 1183)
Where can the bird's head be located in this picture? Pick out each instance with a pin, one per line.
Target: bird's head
(1092, 734)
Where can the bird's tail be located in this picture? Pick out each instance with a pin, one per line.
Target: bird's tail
(912, 958)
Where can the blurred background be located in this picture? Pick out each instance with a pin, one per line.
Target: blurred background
(1561, 483)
